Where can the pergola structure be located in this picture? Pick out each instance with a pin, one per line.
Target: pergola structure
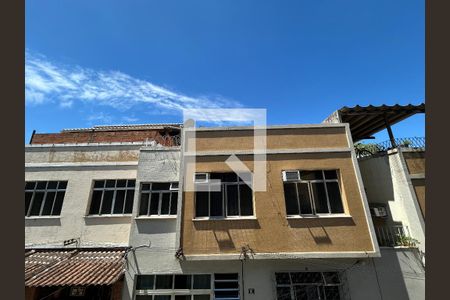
(365, 121)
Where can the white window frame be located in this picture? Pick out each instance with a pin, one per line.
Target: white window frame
(44, 199)
(311, 195)
(115, 189)
(170, 191)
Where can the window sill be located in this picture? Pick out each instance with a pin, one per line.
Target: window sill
(170, 217)
(331, 216)
(108, 216)
(42, 217)
(224, 219)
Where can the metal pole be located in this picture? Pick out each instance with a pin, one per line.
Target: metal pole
(389, 129)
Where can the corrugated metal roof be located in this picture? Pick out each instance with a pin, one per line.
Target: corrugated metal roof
(365, 121)
(125, 127)
(73, 267)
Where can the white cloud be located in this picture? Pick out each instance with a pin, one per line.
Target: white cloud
(50, 82)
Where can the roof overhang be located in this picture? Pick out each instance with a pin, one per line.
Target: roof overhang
(365, 121)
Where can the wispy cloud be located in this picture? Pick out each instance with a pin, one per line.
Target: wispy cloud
(47, 81)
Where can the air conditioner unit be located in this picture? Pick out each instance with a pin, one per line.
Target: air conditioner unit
(291, 175)
(378, 211)
(201, 177)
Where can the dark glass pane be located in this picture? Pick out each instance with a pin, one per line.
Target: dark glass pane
(119, 202)
(202, 281)
(174, 185)
(335, 197)
(129, 202)
(107, 202)
(226, 294)
(146, 186)
(58, 203)
(290, 196)
(304, 198)
(37, 202)
(226, 285)
(282, 278)
(202, 297)
(216, 204)
(62, 185)
(48, 203)
(182, 281)
(160, 186)
(332, 292)
(331, 277)
(232, 200)
(311, 175)
(131, 183)
(154, 202)
(110, 183)
(306, 277)
(201, 204)
(28, 196)
(283, 293)
(121, 183)
(182, 297)
(330, 174)
(144, 297)
(95, 202)
(226, 276)
(99, 183)
(320, 198)
(165, 204)
(144, 282)
(52, 185)
(163, 282)
(224, 177)
(143, 208)
(306, 292)
(30, 185)
(173, 203)
(41, 185)
(246, 196)
(162, 297)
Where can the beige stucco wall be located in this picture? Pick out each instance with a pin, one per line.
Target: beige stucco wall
(271, 232)
(419, 188)
(415, 162)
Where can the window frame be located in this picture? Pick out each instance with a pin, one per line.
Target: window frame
(172, 292)
(224, 192)
(46, 190)
(115, 189)
(170, 191)
(312, 203)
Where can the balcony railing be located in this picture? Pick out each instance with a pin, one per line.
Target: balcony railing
(369, 149)
(394, 236)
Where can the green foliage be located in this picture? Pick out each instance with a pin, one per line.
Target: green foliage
(406, 241)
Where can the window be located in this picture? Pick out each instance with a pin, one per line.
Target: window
(174, 287)
(44, 198)
(226, 286)
(158, 199)
(315, 192)
(112, 197)
(231, 198)
(308, 286)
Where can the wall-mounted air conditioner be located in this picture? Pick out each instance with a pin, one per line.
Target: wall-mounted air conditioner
(293, 175)
(201, 177)
(378, 211)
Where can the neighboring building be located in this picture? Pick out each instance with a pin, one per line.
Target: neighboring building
(79, 195)
(121, 225)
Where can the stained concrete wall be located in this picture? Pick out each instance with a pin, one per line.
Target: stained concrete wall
(398, 274)
(73, 222)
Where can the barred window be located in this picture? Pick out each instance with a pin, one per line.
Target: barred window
(312, 192)
(44, 198)
(158, 199)
(112, 196)
(308, 285)
(226, 286)
(233, 197)
(173, 287)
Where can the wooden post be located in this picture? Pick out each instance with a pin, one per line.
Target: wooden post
(391, 135)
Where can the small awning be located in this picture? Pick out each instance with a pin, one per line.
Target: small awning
(73, 267)
(365, 121)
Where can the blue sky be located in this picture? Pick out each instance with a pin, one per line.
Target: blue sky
(123, 62)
